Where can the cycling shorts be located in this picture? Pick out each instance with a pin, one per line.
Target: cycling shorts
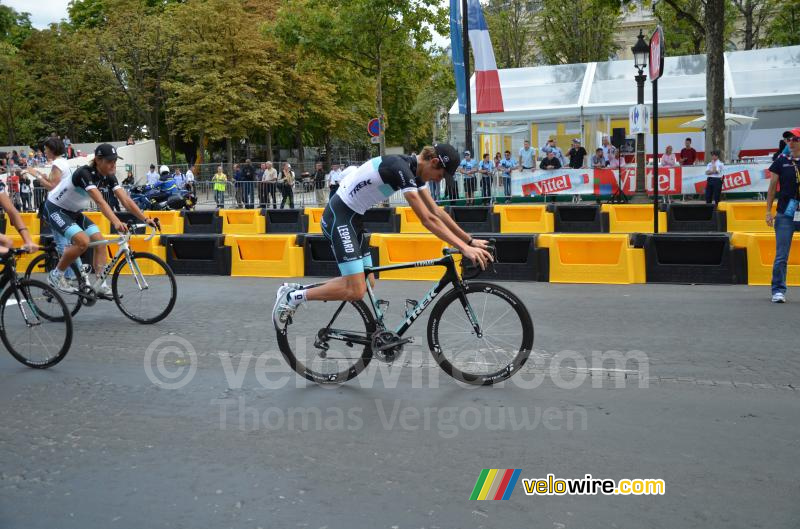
(67, 223)
(344, 229)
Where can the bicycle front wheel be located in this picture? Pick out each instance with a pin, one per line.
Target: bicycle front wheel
(33, 338)
(38, 269)
(144, 287)
(332, 354)
(495, 353)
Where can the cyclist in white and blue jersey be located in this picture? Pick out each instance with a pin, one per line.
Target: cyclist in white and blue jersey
(362, 188)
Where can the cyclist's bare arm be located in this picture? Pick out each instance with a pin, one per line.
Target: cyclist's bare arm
(97, 196)
(17, 222)
(438, 222)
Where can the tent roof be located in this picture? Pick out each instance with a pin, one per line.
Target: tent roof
(766, 78)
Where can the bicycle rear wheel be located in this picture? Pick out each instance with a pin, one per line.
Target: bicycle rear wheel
(505, 341)
(32, 338)
(342, 359)
(144, 287)
(38, 269)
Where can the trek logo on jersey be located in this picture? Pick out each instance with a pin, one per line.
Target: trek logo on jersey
(347, 240)
(360, 185)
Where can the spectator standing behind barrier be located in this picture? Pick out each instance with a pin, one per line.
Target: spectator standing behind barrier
(608, 149)
(319, 183)
(189, 176)
(129, 180)
(468, 168)
(238, 178)
(668, 158)
(615, 162)
(577, 155)
(598, 161)
(486, 169)
(714, 178)
(688, 154)
(286, 183)
(180, 180)
(550, 162)
(784, 172)
(262, 185)
(152, 176)
(527, 156)
(507, 166)
(220, 181)
(248, 181)
(450, 186)
(25, 192)
(552, 147)
(271, 179)
(334, 177)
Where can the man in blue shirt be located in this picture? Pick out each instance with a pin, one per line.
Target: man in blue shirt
(785, 170)
(507, 165)
(527, 157)
(486, 169)
(468, 168)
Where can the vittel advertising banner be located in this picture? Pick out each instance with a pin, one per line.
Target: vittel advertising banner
(671, 181)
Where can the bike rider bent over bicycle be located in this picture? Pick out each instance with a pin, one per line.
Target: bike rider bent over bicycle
(66, 202)
(342, 222)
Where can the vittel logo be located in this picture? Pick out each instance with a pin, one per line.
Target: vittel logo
(735, 180)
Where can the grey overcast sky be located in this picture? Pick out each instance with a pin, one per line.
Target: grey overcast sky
(43, 12)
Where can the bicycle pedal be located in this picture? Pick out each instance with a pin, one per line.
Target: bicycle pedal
(107, 297)
(391, 345)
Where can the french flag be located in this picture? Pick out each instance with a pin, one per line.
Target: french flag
(487, 80)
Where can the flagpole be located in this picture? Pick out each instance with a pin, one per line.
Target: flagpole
(465, 38)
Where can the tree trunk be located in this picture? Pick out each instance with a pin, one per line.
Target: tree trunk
(298, 143)
(328, 149)
(171, 139)
(229, 151)
(715, 78)
(153, 125)
(269, 145)
(200, 157)
(379, 101)
(748, 25)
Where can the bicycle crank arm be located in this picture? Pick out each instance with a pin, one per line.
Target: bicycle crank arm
(393, 344)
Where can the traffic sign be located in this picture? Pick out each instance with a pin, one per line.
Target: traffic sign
(375, 139)
(656, 54)
(374, 127)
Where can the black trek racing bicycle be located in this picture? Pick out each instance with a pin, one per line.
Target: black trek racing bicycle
(478, 332)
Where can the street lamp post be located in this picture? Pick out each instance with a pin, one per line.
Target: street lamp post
(640, 52)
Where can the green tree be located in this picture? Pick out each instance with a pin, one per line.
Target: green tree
(226, 84)
(15, 105)
(366, 34)
(685, 28)
(576, 32)
(511, 24)
(14, 27)
(755, 15)
(784, 27)
(140, 49)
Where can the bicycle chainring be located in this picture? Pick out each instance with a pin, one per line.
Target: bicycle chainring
(379, 341)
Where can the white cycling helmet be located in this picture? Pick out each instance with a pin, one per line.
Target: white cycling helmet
(163, 169)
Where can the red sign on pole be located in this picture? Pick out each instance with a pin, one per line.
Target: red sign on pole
(656, 54)
(374, 127)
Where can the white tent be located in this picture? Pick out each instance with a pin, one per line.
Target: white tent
(756, 81)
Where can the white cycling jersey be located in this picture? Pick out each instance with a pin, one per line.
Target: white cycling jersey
(71, 193)
(373, 182)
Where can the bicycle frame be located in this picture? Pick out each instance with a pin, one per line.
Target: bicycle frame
(450, 277)
(123, 251)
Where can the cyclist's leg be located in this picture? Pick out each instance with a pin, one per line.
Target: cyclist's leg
(61, 243)
(63, 223)
(99, 257)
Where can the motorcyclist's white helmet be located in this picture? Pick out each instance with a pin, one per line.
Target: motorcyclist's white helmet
(163, 169)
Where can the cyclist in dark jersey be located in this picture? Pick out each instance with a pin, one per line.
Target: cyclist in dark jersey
(360, 189)
(65, 203)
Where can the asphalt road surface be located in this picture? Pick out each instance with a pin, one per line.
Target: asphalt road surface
(706, 397)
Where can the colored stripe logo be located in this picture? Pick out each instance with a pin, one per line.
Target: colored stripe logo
(495, 484)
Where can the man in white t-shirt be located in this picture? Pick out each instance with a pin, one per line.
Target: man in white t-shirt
(189, 176)
(152, 176)
(527, 157)
(334, 177)
(714, 171)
